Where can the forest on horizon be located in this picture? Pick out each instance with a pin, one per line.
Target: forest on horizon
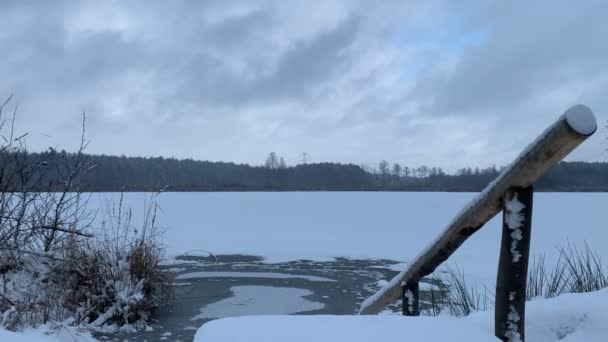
(121, 173)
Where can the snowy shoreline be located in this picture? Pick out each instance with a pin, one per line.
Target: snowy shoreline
(355, 226)
(568, 318)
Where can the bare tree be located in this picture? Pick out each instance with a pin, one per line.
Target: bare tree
(272, 161)
(383, 168)
(37, 212)
(397, 170)
(44, 220)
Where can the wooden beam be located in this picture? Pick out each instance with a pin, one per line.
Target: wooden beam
(510, 308)
(411, 299)
(569, 131)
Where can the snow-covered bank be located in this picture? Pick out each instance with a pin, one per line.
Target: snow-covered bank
(27, 336)
(46, 334)
(568, 318)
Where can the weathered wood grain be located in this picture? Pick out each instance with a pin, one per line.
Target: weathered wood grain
(568, 132)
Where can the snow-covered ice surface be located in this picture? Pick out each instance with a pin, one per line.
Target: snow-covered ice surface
(369, 226)
(265, 275)
(364, 225)
(568, 318)
(260, 300)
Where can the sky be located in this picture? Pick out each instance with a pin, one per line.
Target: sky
(439, 83)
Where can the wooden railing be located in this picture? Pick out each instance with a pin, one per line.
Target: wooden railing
(511, 192)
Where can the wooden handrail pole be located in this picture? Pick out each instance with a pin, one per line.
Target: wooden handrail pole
(570, 130)
(510, 309)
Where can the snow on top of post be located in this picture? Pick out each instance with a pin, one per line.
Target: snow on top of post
(581, 119)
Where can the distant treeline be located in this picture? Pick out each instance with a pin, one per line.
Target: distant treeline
(120, 173)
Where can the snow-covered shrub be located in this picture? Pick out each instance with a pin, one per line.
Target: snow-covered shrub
(41, 211)
(120, 280)
(31, 294)
(53, 265)
(113, 278)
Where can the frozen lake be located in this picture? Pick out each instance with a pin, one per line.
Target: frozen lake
(297, 237)
(364, 225)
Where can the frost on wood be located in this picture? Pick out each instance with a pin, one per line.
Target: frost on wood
(512, 334)
(514, 220)
(394, 285)
(410, 300)
(538, 157)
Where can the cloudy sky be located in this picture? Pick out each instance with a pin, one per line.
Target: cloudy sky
(447, 83)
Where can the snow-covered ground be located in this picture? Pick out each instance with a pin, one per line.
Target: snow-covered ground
(47, 334)
(568, 318)
(367, 225)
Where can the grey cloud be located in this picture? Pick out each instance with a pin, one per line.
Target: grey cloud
(531, 48)
(308, 64)
(299, 69)
(198, 78)
(233, 31)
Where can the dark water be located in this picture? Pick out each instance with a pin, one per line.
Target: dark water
(301, 287)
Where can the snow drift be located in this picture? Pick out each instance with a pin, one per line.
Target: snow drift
(568, 318)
